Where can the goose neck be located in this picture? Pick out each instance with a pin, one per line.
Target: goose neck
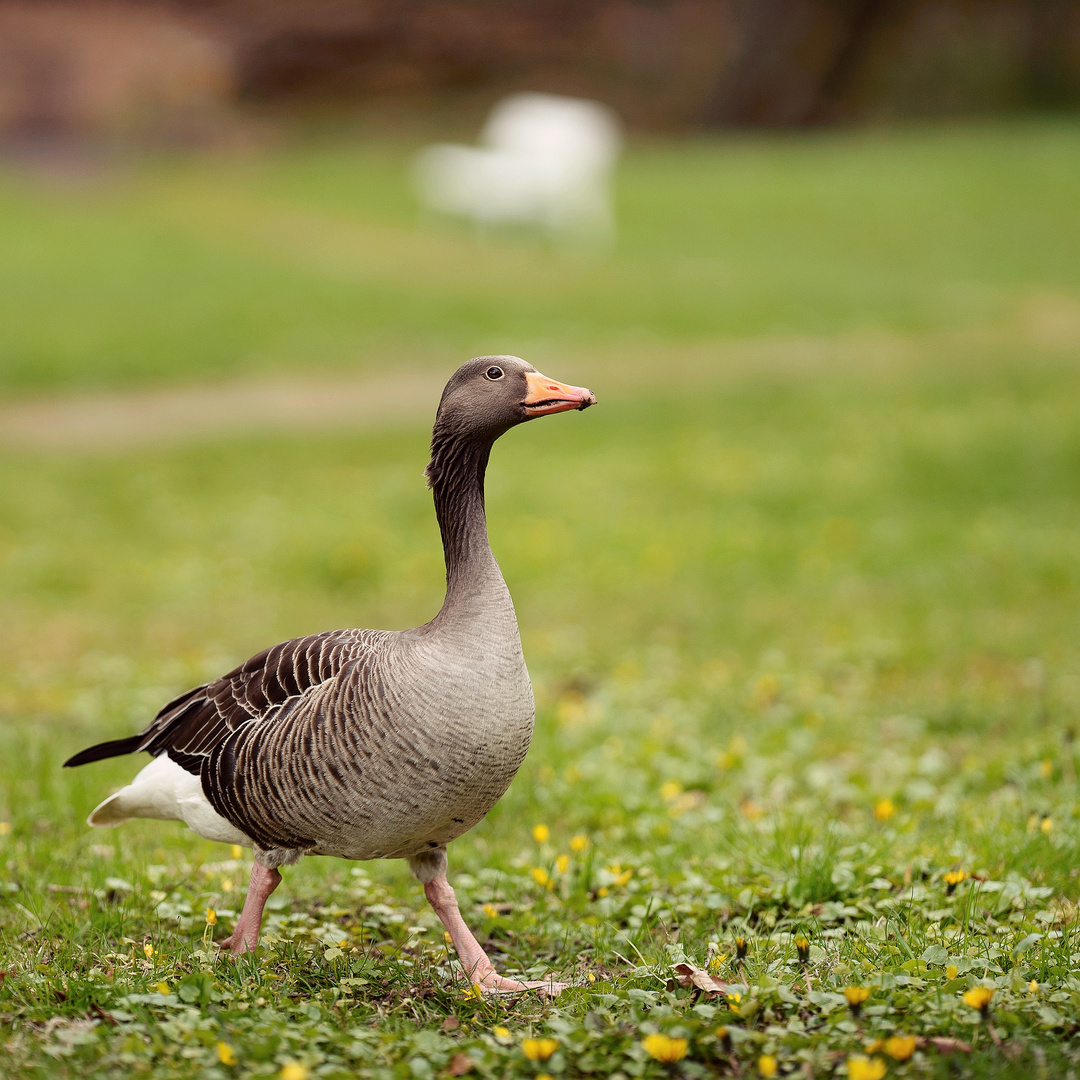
(456, 475)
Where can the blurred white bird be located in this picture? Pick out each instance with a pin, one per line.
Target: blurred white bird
(545, 161)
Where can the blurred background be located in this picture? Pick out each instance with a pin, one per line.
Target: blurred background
(819, 265)
(176, 68)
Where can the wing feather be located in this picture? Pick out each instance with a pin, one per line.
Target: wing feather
(192, 726)
(204, 729)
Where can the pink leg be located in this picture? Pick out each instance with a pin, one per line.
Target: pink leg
(478, 968)
(246, 935)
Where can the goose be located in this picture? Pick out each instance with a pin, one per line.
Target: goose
(368, 744)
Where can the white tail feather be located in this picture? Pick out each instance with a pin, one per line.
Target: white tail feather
(166, 792)
(109, 813)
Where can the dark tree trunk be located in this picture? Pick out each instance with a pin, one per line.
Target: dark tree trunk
(796, 60)
(1050, 80)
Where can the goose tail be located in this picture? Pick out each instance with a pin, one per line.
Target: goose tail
(105, 750)
(111, 812)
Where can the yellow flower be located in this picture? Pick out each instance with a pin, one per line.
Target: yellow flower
(717, 962)
(741, 945)
(226, 1054)
(951, 971)
(579, 843)
(502, 1034)
(541, 833)
(148, 950)
(562, 863)
(1033, 987)
(1047, 825)
(723, 1034)
(864, 1068)
(475, 991)
(900, 1047)
(293, 1070)
(802, 947)
(540, 875)
(623, 878)
(602, 892)
(664, 1048)
(237, 851)
(670, 790)
(766, 690)
(162, 987)
(884, 809)
(5, 828)
(734, 997)
(544, 1076)
(979, 997)
(953, 878)
(226, 885)
(1046, 769)
(490, 911)
(539, 1049)
(766, 1065)
(447, 938)
(211, 917)
(855, 996)
(751, 811)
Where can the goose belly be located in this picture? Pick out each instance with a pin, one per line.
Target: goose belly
(431, 798)
(417, 784)
(422, 815)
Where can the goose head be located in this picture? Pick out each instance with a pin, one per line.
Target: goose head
(488, 395)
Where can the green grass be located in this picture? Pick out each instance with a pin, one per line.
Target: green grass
(764, 587)
(311, 256)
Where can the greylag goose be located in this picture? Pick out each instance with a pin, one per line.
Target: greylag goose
(368, 744)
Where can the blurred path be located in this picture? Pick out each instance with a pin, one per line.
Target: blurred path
(128, 419)
(1046, 328)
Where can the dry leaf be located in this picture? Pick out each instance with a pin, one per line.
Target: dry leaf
(460, 1064)
(947, 1045)
(700, 979)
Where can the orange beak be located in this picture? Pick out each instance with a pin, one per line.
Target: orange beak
(545, 395)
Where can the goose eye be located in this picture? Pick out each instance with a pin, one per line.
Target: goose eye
(494, 373)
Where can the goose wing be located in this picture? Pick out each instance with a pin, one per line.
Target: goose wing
(191, 727)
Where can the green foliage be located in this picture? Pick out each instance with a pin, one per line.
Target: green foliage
(311, 256)
(802, 628)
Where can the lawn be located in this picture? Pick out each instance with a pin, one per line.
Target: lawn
(309, 257)
(799, 600)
